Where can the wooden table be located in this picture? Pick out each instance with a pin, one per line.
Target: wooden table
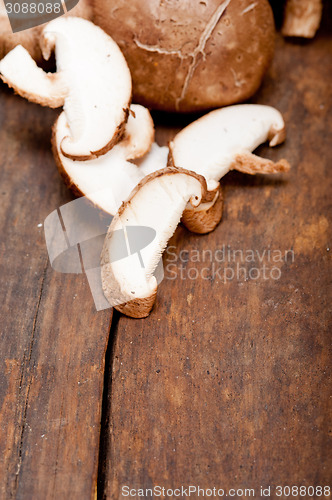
(225, 384)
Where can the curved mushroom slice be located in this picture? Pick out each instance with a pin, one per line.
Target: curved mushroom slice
(99, 84)
(211, 144)
(92, 81)
(108, 180)
(20, 72)
(223, 140)
(158, 203)
(139, 133)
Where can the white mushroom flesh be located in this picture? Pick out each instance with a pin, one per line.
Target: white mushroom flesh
(158, 203)
(209, 145)
(21, 72)
(109, 179)
(98, 84)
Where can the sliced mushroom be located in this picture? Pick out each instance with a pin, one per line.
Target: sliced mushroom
(108, 180)
(158, 155)
(92, 78)
(221, 141)
(302, 18)
(139, 133)
(158, 203)
(21, 72)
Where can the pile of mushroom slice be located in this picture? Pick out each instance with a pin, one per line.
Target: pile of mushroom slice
(99, 133)
(206, 149)
(221, 141)
(99, 136)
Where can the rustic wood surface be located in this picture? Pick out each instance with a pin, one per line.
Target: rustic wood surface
(225, 384)
(52, 341)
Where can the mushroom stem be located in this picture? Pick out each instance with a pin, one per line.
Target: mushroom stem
(206, 217)
(139, 308)
(302, 18)
(249, 163)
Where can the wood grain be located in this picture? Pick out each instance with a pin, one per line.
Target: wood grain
(226, 384)
(52, 340)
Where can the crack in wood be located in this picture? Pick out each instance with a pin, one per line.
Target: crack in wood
(57, 449)
(106, 408)
(24, 372)
(22, 436)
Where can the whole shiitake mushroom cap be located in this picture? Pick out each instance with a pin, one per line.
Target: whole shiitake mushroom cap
(191, 55)
(29, 38)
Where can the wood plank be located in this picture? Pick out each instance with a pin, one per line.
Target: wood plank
(52, 341)
(226, 384)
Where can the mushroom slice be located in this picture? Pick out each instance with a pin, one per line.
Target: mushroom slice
(20, 72)
(223, 140)
(139, 133)
(302, 18)
(154, 160)
(99, 84)
(211, 144)
(92, 80)
(108, 180)
(158, 203)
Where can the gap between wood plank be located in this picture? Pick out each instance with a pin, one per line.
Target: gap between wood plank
(25, 369)
(106, 408)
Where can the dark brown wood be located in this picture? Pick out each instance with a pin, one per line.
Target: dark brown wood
(227, 384)
(52, 341)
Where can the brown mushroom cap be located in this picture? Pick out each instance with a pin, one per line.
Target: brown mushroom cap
(29, 38)
(191, 55)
